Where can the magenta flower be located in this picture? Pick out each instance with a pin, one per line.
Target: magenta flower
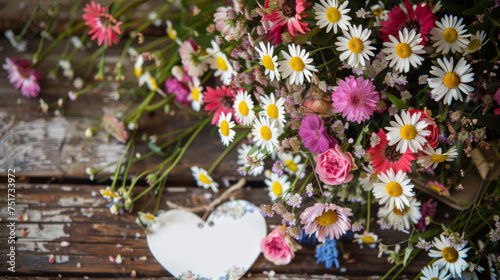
(220, 99)
(22, 77)
(104, 26)
(326, 220)
(355, 98)
(176, 87)
(315, 136)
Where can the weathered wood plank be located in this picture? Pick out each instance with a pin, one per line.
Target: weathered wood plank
(74, 213)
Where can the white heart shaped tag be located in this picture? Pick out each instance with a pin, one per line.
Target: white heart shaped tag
(182, 242)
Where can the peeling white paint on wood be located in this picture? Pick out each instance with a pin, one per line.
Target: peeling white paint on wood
(81, 201)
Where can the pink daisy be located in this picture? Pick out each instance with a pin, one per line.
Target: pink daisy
(315, 136)
(355, 98)
(219, 100)
(104, 26)
(22, 77)
(385, 157)
(421, 19)
(288, 13)
(326, 220)
(190, 52)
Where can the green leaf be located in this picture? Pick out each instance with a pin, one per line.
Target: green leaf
(112, 8)
(485, 25)
(253, 150)
(407, 254)
(443, 227)
(203, 40)
(156, 149)
(478, 9)
(396, 101)
(427, 234)
(378, 82)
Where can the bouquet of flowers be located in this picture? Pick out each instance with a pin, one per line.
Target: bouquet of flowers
(341, 103)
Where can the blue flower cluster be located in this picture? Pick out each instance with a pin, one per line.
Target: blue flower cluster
(328, 253)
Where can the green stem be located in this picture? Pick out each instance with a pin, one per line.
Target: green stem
(28, 23)
(390, 271)
(292, 187)
(368, 210)
(236, 141)
(126, 8)
(409, 261)
(160, 192)
(154, 107)
(117, 172)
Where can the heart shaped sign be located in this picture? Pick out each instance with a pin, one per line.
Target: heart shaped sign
(229, 240)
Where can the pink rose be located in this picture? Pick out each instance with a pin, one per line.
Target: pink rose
(275, 248)
(333, 166)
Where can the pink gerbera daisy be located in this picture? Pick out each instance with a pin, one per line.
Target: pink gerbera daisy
(421, 19)
(289, 13)
(385, 157)
(104, 25)
(219, 100)
(22, 77)
(326, 220)
(355, 98)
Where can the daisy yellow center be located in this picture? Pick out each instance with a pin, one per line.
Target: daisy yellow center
(277, 188)
(367, 239)
(437, 189)
(224, 128)
(450, 35)
(403, 50)
(109, 193)
(355, 45)
(394, 189)
(333, 15)
(434, 278)
(450, 254)
(267, 61)
(221, 63)
(171, 33)
(138, 71)
(297, 64)
(451, 80)
(474, 45)
(396, 211)
(195, 93)
(291, 165)
(149, 217)
(327, 218)
(243, 108)
(153, 84)
(438, 158)
(272, 111)
(378, 11)
(266, 133)
(204, 179)
(408, 132)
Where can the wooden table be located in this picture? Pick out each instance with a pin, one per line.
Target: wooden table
(62, 217)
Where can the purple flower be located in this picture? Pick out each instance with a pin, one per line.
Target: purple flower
(181, 92)
(278, 168)
(315, 136)
(22, 77)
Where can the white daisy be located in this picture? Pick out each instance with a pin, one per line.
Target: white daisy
(225, 125)
(400, 219)
(432, 273)
(329, 15)
(277, 185)
(273, 109)
(243, 108)
(451, 80)
(366, 238)
(434, 157)
(367, 177)
(404, 51)
(220, 64)
(268, 60)
(265, 133)
(297, 64)
(451, 257)
(146, 78)
(256, 158)
(355, 46)
(292, 164)
(408, 132)
(147, 220)
(203, 179)
(138, 66)
(394, 189)
(172, 34)
(196, 95)
(449, 34)
(476, 42)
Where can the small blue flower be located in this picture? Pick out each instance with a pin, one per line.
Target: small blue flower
(328, 253)
(305, 239)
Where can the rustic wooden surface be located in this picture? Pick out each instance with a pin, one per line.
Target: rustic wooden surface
(59, 203)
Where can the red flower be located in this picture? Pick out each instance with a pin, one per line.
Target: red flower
(104, 26)
(385, 157)
(422, 20)
(289, 13)
(219, 100)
